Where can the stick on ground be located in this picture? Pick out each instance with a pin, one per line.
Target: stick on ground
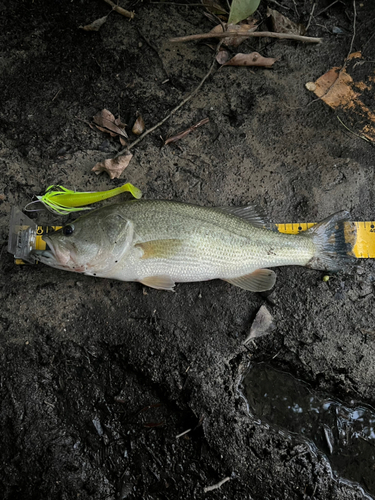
(174, 110)
(120, 10)
(257, 34)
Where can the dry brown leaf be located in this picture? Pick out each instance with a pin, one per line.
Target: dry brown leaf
(281, 24)
(114, 167)
(252, 59)
(235, 41)
(106, 122)
(95, 25)
(338, 89)
(263, 324)
(139, 126)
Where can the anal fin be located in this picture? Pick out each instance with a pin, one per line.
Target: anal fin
(159, 282)
(258, 281)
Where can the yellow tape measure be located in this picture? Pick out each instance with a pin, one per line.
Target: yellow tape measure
(363, 249)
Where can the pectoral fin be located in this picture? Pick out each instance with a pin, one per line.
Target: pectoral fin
(258, 281)
(160, 248)
(159, 282)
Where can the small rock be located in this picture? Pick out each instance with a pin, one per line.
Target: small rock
(310, 86)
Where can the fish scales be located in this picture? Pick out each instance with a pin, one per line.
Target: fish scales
(160, 243)
(215, 244)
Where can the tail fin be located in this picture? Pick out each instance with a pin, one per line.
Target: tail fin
(334, 239)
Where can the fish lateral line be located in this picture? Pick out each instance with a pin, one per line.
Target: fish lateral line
(363, 248)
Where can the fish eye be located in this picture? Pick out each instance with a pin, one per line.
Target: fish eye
(68, 230)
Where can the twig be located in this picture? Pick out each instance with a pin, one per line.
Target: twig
(57, 93)
(295, 8)
(174, 110)
(352, 40)
(152, 47)
(357, 135)
(311, 15)
(329, 6)
(183, 134)
(216, 486)
(258, 34)
(182, 433)
(282, 6)
(182, 4)
(120, 10)
(345, 60)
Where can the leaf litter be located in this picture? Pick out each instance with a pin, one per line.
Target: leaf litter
(263, 324)
(139, 126)
(341, 92)
(106, 122)
(238, 30)
(252, 59)
(282, 24)
(114, 166)
(95, 25)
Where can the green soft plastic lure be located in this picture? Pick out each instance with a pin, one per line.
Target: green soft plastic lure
(63, 201)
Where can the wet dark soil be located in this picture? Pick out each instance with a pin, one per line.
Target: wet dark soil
(98, 377)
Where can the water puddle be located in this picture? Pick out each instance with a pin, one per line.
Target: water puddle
(345, 434)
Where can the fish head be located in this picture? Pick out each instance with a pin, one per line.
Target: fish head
(93, 244)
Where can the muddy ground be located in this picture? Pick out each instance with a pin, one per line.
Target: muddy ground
(98, 377)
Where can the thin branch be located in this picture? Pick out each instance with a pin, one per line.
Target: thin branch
(346, 60)
(216, 486)
(174, 110)
(182, 433)
(352, 40)
(311, 16)
(326, 8)
(258, 34)
(363, 137)
(120, 10)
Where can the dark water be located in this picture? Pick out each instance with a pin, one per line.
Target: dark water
(344, 433)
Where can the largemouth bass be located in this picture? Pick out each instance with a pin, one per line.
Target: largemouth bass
(160, 243)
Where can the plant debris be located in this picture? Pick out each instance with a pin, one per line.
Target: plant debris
(120, 10)
(255, 34)
(95, 25)
(252, 59)
(106, 122)
(114, 166)
(214, 7)
(139, 126)
(281, 24)
(238, 30)
(263, 324)
(181, 135)
(338, 89)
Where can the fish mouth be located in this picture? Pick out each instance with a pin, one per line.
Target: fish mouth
(53, 257)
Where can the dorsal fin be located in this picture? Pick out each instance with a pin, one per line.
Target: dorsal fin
(252, 214)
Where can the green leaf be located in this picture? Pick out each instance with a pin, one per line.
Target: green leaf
(242, 9)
